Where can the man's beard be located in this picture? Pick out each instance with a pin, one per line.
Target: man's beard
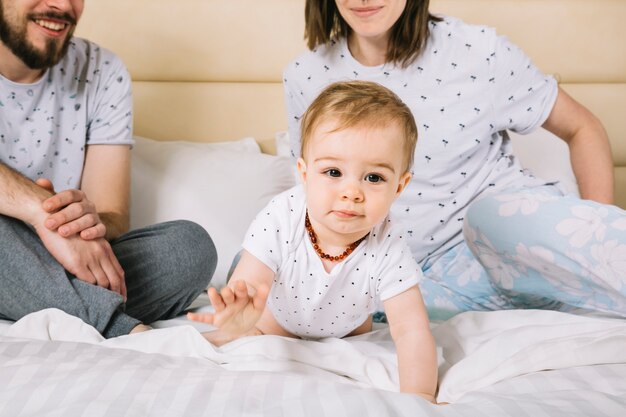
(15, 38)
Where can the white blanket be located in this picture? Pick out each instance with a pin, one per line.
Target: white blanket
(477, 349)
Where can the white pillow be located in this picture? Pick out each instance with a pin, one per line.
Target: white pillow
(248, 144)
(220, 186)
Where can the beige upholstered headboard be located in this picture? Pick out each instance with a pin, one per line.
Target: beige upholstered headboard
(210, 70)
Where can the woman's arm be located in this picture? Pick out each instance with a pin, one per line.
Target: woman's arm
(590, 151)
(415, 344)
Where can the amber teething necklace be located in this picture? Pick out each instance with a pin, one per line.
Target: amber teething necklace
(320, 252)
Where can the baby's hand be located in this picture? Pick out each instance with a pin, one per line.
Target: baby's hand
(236, 312)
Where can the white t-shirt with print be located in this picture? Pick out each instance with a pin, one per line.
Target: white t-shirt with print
(310, 302)
(467, 88)
(83, 100)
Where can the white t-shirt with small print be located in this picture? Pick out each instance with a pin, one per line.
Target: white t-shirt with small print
(465, 90)
(83, 100)
(310, 302)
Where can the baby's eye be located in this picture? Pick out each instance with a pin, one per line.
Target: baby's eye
(374, 178)
(333, 172)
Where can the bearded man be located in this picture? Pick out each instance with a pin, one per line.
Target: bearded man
(65, 139)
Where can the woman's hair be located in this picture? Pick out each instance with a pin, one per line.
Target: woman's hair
(409, 34)
(362, 103)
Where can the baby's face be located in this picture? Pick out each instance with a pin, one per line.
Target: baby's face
(351, 177)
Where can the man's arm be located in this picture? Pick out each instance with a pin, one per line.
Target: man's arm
(91, 261)
(21, 198)
(106, 181)
(590, 151)
(100, 207)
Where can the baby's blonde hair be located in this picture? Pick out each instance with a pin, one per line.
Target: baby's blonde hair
(353, 103)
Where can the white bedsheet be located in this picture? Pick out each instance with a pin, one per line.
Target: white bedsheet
(478, 353)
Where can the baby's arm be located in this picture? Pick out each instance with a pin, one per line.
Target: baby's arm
(415, 344)
(240, 305)
(237, 308)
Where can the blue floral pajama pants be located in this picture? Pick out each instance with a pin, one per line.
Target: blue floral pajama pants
(532, 248)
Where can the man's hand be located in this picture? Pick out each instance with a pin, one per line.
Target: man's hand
(72, 213)
(236, 311)
(91, 260)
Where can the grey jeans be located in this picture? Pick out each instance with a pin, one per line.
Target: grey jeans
(166, 267)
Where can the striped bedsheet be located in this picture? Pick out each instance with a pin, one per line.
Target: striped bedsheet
(518, 363)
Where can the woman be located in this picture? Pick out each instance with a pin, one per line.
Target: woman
(487, 234)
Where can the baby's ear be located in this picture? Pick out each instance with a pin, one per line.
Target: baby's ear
(403, 182)
(301, 165)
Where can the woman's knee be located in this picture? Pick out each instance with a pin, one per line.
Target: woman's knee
(516, 212)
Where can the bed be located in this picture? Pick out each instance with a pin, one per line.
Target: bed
(211, 147)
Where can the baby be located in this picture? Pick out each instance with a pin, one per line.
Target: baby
(319, 256)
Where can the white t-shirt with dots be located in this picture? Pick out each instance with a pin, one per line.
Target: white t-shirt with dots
(310, 302)
(83, 100)
(466, 89)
